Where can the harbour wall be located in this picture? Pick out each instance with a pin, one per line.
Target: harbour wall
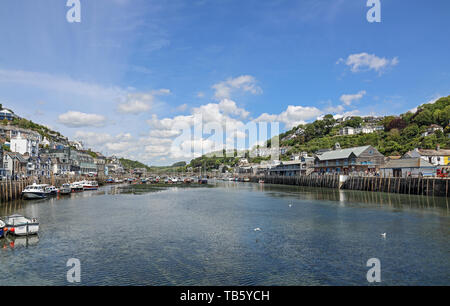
(413, 185)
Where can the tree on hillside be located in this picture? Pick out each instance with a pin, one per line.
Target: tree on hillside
(425, 117)
(354, 122)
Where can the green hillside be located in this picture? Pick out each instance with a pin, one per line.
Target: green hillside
(401, 134)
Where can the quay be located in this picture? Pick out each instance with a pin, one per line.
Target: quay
(438, 187)
(12, 189)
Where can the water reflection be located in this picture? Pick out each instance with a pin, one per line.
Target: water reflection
(15, 242)
(438, 205)
(206, 236)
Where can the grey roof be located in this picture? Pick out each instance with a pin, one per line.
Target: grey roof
(425, 152)
(408, 163)
(16, 155)
(343, 153)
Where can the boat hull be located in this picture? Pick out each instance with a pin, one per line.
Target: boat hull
(24, 229)
(34, 195)
(2, 232)
(90, 188)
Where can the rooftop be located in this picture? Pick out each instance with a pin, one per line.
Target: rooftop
(342, 153)
(407, 163)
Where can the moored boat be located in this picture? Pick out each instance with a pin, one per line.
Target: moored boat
(2, 228)
(35, 192)
(51, 190)
(21, 226)
(76, 187)
(90, 185)
(65, 189)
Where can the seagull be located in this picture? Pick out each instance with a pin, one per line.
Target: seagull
(257, 229)
(383, 235)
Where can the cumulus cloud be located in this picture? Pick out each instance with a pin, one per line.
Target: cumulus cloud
(136, 103)
(78, 119)
(349, 99)
(292, 116)
(246, 83)
(364, 61)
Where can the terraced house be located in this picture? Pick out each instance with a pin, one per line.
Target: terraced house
(351, 160)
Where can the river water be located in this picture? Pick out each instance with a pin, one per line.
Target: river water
(206, 236)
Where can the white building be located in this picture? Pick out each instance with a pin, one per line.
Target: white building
(439, 157)
(24, 145)
(348, 130)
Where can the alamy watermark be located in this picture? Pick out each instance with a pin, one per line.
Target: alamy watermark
(74, 273)
(200, 136)
(74, 13)
(374, 14)
(374, 273)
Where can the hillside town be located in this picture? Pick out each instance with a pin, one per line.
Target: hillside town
(356, 161)
(26, 153)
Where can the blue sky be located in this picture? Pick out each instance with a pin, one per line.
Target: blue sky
(132, 69)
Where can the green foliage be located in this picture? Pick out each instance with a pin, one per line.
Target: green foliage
(179, 164)
(132, 164)
(402, 133)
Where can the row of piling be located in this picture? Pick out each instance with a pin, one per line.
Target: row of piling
(410, 185)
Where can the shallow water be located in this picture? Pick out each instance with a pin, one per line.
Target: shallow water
(206, 236)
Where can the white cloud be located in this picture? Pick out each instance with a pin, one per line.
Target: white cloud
(365, 61)
(78, 119)
(348, 99)
(63, 84)
(136, 103)
(293, 115)
(246, 83)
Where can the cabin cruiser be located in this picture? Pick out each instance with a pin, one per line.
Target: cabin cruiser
(90, 185)
(35, 192)
(76, 187)
(20, 226)
(65, 189)
(51, 190)
(2, 228)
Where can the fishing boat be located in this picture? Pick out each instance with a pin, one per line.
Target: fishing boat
(90, 185)
(246, 179)
(2, 228)
(261, 181)
(76, 187)
(65, 189)
(20, 226)
(34, 192)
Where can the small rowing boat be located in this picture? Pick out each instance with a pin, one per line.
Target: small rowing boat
(20, 226)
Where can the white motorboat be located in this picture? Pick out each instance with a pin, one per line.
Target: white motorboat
(77, 187)
(35, 192)
(65, 189)
(21, 226)
(51, 190)
(90, 185)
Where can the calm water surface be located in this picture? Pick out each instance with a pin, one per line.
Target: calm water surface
(205, 236)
